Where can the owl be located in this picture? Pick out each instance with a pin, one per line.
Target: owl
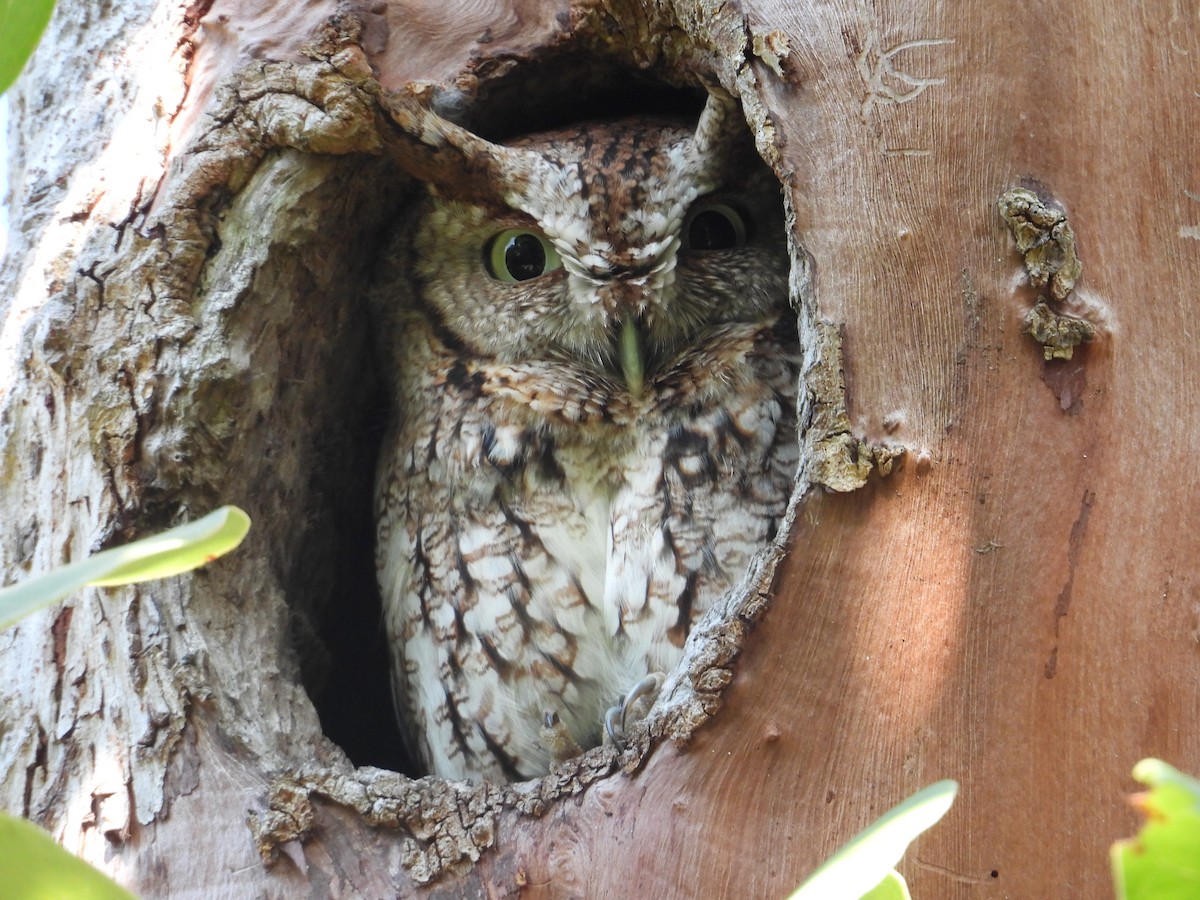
(593, 372)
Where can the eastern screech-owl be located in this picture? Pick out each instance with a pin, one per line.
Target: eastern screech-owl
(595, 379)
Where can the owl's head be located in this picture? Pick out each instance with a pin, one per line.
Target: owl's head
(610, 246)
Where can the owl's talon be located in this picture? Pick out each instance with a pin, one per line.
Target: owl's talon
(638, 702)
(557, 738)
(613, 727)
(645, 690)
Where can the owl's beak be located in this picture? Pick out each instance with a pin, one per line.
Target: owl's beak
(632, 357)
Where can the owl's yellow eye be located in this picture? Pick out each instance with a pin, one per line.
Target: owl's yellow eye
(519, 255)
(714, 226)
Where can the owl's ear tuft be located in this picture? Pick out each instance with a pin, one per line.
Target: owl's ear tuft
(461, 164)
(720, 118)
(718, 132)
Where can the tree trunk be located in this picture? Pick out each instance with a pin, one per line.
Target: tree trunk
(198, 195)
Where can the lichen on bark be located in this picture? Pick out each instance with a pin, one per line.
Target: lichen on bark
(1046, 242)
(1058, 334)
(1045, 239)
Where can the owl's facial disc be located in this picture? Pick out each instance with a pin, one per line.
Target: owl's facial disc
(624, 314)
(617, 249)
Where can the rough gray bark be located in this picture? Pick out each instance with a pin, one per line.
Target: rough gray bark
(160, 354)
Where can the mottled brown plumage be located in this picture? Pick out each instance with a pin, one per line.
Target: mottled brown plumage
(583, 459)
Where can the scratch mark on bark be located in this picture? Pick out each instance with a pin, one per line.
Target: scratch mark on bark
(1074, 547)
(950, 873)
(60, 629)
(40, 759)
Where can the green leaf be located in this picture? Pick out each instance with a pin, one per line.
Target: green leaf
(34, 867)
(893, 887)
(21, 25)
(1163, 861)
(160, 556)
(863, 866)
